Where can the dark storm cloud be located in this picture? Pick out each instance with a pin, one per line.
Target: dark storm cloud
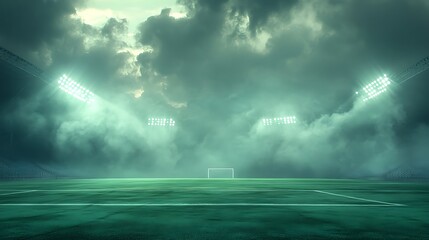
(29, 24)
(395, 35)
(218, 71)
(317, 55)
(177, 40)
(388, 28)
(43, 125)
(114, 27)
(26, 28)
(259, 12)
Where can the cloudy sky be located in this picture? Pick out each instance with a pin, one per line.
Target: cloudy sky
(217, 67)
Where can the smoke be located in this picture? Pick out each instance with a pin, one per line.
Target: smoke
(218, 72)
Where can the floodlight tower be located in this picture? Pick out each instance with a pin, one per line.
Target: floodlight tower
(286, 120)
(412, 71)
(376, 88)
(381, 85)
(20, 63)
(161, 122)
(76, 90)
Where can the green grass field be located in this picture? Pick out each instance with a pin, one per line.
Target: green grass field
(213, 209)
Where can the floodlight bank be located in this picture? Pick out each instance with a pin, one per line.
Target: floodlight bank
(279, 121)
(75, 89)
(376, 87)
(165, 122)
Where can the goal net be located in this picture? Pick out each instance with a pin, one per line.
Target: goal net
(220, 173)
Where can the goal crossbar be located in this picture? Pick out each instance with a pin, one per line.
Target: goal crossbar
(209, 169)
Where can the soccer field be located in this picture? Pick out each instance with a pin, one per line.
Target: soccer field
(213, 209)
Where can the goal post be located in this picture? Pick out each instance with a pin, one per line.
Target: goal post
(220, 173)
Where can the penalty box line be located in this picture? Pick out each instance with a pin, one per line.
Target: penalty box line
(358, 198)
(19, 192)
(197, 204)
(379, 203)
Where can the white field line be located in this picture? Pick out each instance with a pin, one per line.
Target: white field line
(384, 204)
(215, 189)
(208, 188)
(84, 190)
(164, 189)
(198, 204)
(383, 190)
(361, 199)
(20, 192)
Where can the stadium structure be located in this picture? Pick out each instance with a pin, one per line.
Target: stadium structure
(22, 72)
(29, 78)
(40, 202)
(33, 78)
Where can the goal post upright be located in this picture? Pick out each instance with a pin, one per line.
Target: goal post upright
(220, 169)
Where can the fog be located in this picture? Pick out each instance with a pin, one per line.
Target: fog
(217, 72)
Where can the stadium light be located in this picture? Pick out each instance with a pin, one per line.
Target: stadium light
(75, 89)
(279, 121)
(164, 122)
(376, 87)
